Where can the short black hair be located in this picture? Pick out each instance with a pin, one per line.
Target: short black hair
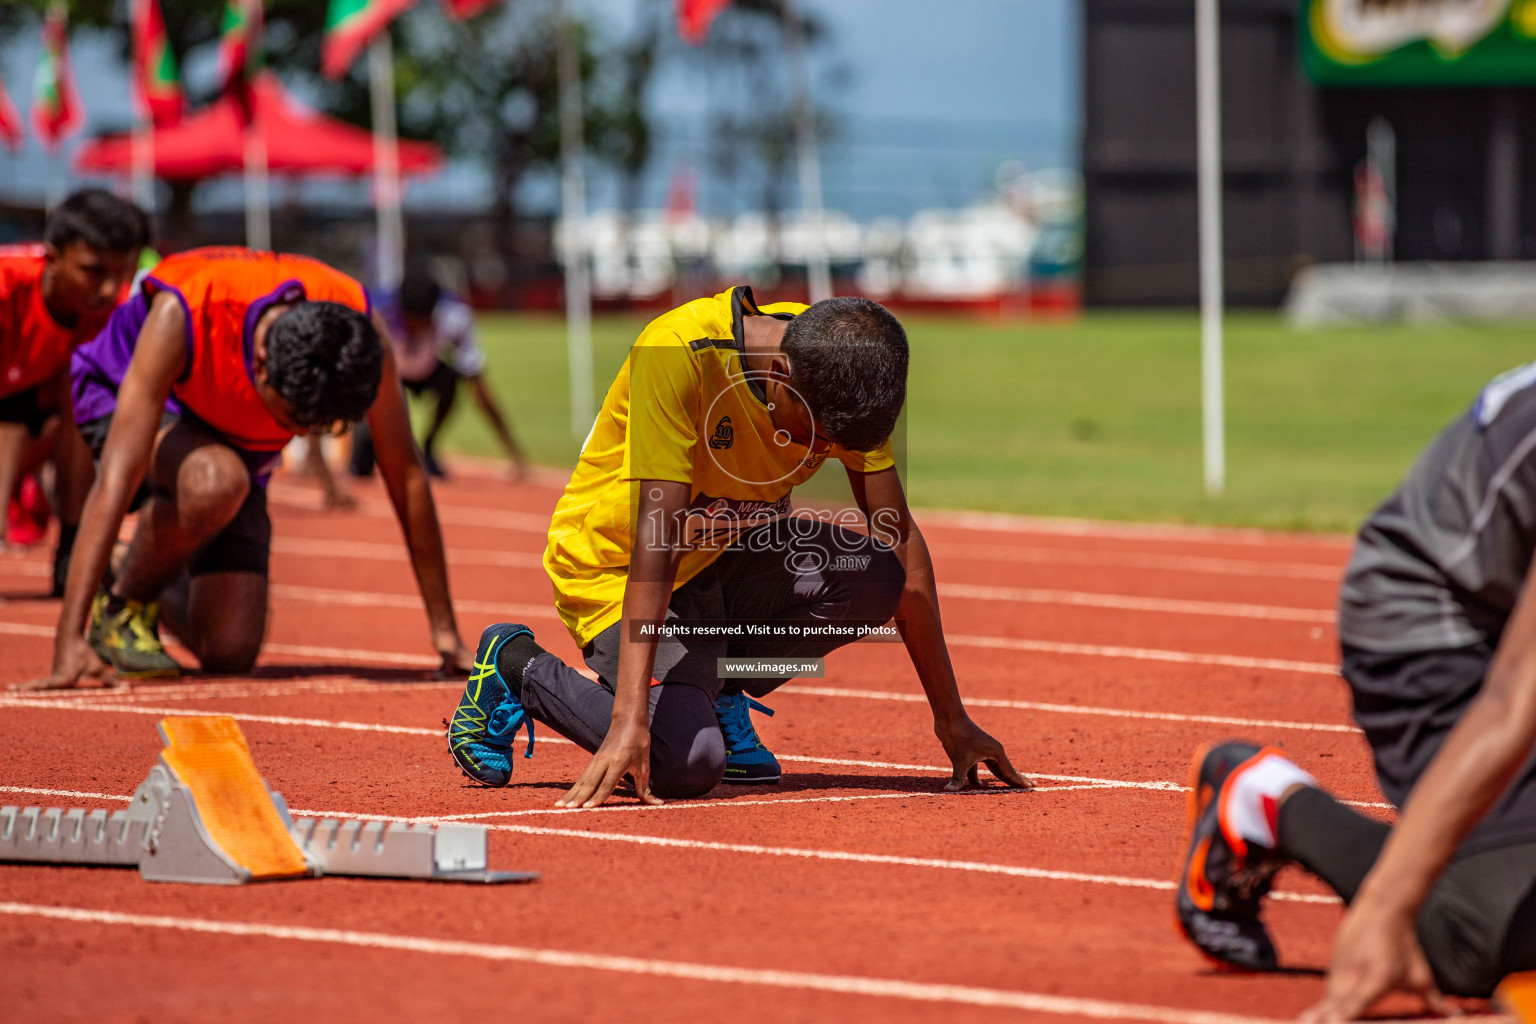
(848, 360)
(103, 221)
(324, 360)
(419, 292)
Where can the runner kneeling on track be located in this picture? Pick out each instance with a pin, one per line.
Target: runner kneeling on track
(1438, 628)
(218, 360)
(53, 298)
(679, 511)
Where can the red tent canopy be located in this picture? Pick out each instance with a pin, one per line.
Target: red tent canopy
(211, 142)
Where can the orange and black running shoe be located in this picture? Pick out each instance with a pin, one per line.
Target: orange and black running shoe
(1224, 878)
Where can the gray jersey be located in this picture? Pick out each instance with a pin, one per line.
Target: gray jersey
(1441, 563)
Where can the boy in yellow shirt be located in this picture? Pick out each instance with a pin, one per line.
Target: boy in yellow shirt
(675, 546)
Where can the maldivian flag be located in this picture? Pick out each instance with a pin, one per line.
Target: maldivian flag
(240, 50)
(350, 25)
(695, 16)
(10, 121)
(55, 105)
(461, 9)
(154, 65)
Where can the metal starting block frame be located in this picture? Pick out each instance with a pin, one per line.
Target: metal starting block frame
(163, 834)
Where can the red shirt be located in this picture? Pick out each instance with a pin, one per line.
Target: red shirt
(33, 345)
(223, 293)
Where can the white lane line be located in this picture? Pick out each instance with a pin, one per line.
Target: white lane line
(353, 655)
(410, 730)
(74, 794)
(1223, 609)
(315, 723)
(344, 685)
(954, 591)
(769, 802)
(754, 849)
(457, 515)
(1123, 560)
(1074, 709)
(374, 657)
(314, 548)
(363, 599)
(843, 984)
(1003, 522)
(1143, 654)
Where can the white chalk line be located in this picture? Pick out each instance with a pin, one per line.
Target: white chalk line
(843, 984)
(953, 591)
(1004, 522)
(456, 515)
(1142, 654)
(375, 657)
(1159, 563)
(1074, 709)
(363, 599)
(411, 730)
(1124, 602)
(760, 850)
(371, 551)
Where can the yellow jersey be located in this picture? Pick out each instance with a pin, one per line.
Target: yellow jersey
(684, 408)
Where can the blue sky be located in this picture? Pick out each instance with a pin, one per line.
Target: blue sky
(930, 97)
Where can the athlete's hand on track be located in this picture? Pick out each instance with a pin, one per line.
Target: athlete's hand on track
(625, 751)
(969, 747)
(458, 660)
(74, 664)
(1376, 952)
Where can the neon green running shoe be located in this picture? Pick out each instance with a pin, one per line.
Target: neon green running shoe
(127, 636)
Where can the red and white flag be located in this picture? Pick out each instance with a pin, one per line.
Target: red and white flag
(10, 121)
(56, 110)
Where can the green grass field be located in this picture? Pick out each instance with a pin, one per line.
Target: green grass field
(1101, 417)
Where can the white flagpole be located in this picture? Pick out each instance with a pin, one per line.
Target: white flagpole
(258, 216)
(1208, 129)
(386, 163)
(818, 269)
(143, 145)
(573, 214)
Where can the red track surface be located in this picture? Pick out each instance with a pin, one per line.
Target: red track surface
(857, 874)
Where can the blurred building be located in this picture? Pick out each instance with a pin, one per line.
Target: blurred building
(1443, 87)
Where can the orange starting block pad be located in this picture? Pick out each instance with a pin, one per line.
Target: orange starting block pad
(205, 815)
(1517, 994)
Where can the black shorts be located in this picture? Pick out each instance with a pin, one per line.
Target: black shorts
(245, 543)
(1407, 704)
(442, 379)
(25, 408)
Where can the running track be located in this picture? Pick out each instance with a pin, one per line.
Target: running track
(1100, 655)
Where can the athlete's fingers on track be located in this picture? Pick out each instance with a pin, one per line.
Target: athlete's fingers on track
(641, 777)
(1001, 767)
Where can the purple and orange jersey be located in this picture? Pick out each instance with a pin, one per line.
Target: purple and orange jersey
(33, 345)
(222, 292)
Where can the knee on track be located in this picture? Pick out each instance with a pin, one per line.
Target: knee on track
(691, 776)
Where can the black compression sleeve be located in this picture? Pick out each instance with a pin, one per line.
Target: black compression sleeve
(1334, 842)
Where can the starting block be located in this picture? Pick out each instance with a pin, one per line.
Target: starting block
(205, 815)
(1517, 995)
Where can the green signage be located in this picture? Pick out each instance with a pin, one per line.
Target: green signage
(1419, 42)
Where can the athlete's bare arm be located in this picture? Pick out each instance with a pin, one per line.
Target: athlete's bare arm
(411, 495)
(626, 750)
(1376, 950)
(884, 504)
(158, 360)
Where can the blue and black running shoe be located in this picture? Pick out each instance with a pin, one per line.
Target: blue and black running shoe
(747, 761)
(488, 716)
